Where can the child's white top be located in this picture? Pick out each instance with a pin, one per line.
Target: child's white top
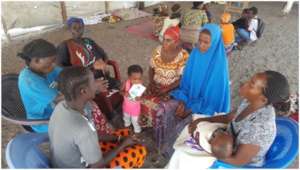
(253, 26)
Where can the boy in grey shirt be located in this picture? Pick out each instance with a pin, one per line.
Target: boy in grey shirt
(73, 138)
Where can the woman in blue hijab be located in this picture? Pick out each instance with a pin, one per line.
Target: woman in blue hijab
(204, 87)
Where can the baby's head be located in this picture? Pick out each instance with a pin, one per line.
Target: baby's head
(225, 18)
(135, 73)
(221, 144)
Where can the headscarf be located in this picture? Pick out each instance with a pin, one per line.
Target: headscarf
(73, 20)
(225, 18)
(204, 87)
(173, 32)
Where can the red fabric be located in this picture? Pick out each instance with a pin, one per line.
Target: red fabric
(173, 32)
(78, 55)
(100, 121)
(295, 116)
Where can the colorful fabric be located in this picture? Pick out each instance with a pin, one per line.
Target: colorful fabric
(173, 32)
(101, 124)
(132, 108)
(167, 73)
(168, 126)
(81, 53)
(194, 17)
(130, 157)
(158, 24)
(227, 33)
(204, 86)
(37, 94)
(164, 74)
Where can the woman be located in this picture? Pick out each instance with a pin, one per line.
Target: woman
(166, 67)
(204, 87)
(192, 20)
(37, 81)
(78, 145)
(82, 51)
(253, 125)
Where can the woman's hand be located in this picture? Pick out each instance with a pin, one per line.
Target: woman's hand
(142, 120)
(180, 109)
(128, 141)
(99, 65)
(101, 85)
(193, 125)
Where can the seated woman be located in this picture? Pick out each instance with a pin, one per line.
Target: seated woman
(37, 81)
(78, 145)
(82, 51)
(253, 125)
(204, 87)
(166, 67)
(192, 20)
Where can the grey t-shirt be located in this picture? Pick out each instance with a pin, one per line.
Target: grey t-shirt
(258, 128)
(73, 138)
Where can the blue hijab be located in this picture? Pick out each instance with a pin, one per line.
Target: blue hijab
(204, 87)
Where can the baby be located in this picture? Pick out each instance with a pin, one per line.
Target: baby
(132, 107)
(214, 139)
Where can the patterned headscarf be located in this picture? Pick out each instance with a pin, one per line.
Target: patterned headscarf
(173, 32)
(73, 20)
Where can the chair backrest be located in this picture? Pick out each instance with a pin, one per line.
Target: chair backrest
(285, 146)
(23, 151)
(12, 105)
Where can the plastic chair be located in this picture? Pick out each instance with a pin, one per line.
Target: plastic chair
(12, 106)
(23, 151)
(109, 105)
(283, 151)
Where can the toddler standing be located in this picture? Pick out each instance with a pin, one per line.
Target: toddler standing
(132, 107)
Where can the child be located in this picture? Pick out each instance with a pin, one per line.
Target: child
(208, 142)
(214, 139)
(227, 31)
(132, 108)
(248, 35)
(242, 22)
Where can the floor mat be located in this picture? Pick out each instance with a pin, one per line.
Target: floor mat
(144, 29)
